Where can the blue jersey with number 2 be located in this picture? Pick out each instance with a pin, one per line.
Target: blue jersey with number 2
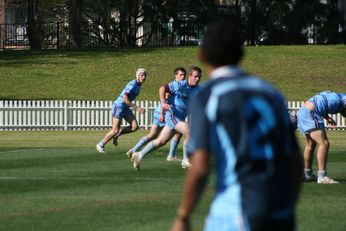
(243, 121)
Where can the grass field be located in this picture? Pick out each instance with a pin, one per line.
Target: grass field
(56, 181)
(100, 74)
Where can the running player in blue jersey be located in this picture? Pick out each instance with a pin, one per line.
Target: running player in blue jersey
(158, 124)
(175, 114)
(242, 122)
(121, 110)
(311, 124)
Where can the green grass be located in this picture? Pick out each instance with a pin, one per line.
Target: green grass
(56, 181)
(100, 74)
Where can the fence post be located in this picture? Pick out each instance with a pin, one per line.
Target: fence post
(146, 114)
(2, 114)
(1, 32)
(65, 115)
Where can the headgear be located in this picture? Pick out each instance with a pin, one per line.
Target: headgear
(139, 71)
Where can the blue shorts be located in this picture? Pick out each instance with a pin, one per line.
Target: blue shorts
(240, 223)
(172, 119)
(309, 120)
(121, 112)
(224, 224)
(156, 119)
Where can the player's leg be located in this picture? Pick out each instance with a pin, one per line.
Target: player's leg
(173, 146)
(154, 131)
(165, 135)
(133, 126)
(308, 123)
(116, 122)
(321, 139)
(308, 158)
(183, 128)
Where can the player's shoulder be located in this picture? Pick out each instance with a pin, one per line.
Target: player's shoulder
(175, 83)
(244, 83)
(131, 82)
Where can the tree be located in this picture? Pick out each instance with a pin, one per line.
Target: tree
(273, 28)
(330, 20)
(40, 13)
(35, 21)
(75, 8)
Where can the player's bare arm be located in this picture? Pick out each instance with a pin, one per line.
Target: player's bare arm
(195, 182)
(130, 104)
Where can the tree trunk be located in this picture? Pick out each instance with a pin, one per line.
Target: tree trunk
(2, 21)
(35, 32)
(253, 22)
(75, 20)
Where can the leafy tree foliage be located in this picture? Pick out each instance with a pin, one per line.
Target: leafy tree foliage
(144, 22)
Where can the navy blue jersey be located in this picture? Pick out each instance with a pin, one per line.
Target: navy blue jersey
(243, 121)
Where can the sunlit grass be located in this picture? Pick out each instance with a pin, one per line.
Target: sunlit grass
(100, 74)
(55, 180)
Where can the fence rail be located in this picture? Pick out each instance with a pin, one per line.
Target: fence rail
(18, 115)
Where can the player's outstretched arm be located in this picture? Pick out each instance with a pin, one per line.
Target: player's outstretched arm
(195, 182)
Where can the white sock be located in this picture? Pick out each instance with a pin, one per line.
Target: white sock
(322, 174)
(148, 148)
(101, 143)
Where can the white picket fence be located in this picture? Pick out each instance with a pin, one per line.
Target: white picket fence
(81, 115)
(65, 115)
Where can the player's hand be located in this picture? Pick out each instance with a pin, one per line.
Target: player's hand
(161, 118)
(331, 122)
(140, 109)
(166, 106)
(181, 225)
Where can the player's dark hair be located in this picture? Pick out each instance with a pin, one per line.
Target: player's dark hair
(179, 69)
(222, 43)
(195, 68)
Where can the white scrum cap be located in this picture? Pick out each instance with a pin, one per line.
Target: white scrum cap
(139, 71)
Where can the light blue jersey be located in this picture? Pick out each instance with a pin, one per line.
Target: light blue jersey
(119, 108)
(328, 102)
(132, 90)
(180, 92)
(325, 103)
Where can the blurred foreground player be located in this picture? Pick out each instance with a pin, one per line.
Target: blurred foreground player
(244, 123)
